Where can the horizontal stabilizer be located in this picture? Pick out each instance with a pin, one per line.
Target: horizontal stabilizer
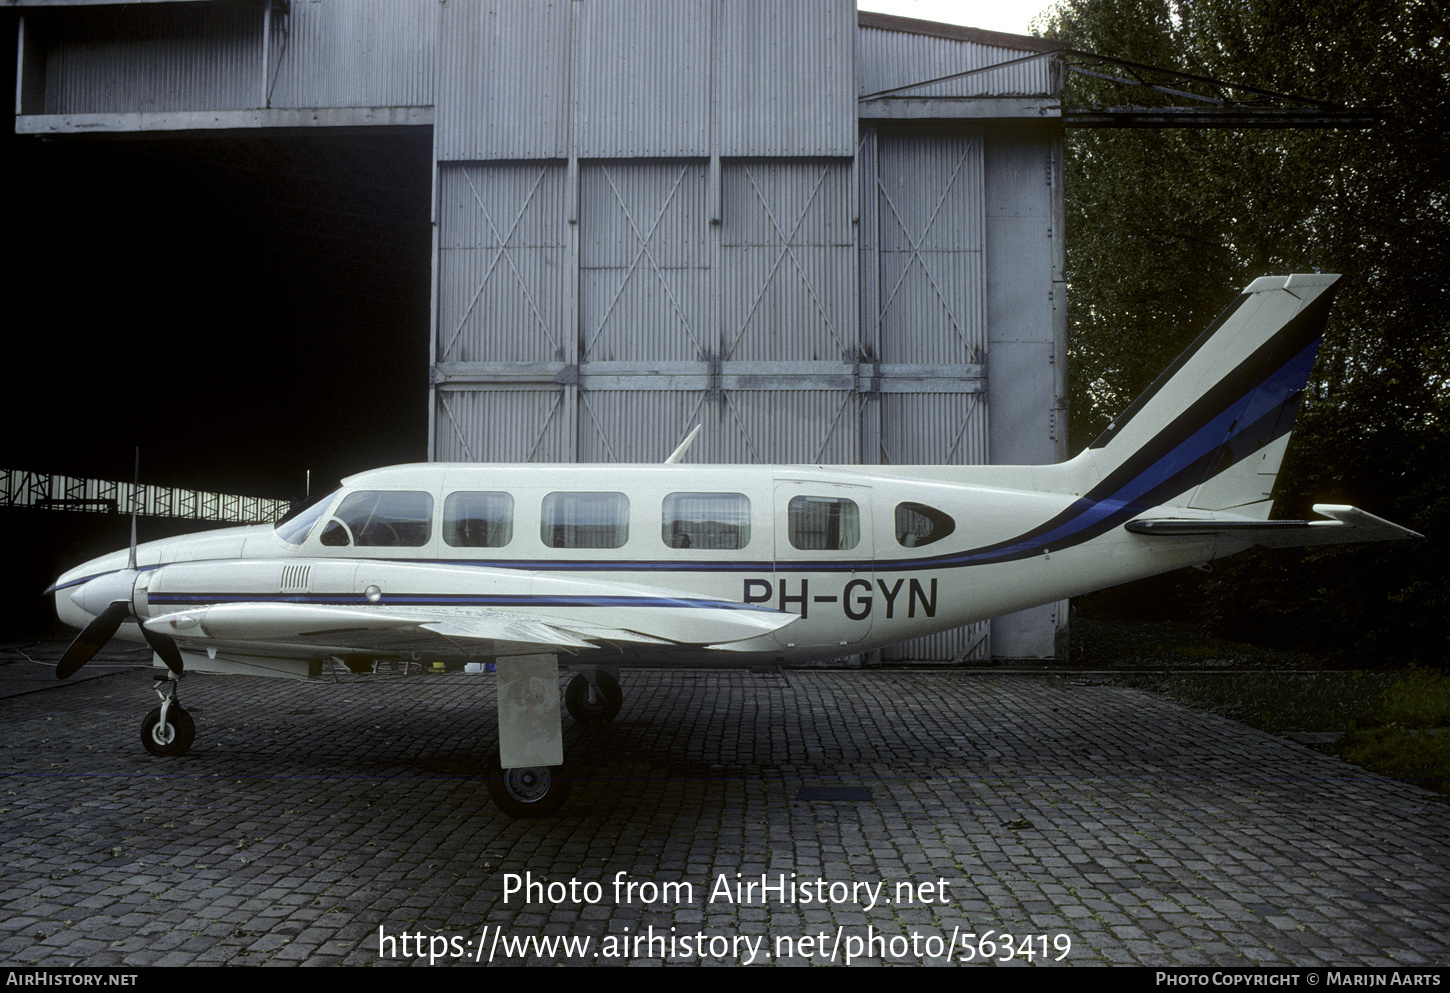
(1347, 525)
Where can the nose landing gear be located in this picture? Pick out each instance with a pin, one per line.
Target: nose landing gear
(167, 730)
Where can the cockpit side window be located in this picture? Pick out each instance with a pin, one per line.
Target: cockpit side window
(381, 519)
(917, 525)
(295, 528)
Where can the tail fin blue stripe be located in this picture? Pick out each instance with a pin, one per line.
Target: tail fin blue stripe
(1254, 418)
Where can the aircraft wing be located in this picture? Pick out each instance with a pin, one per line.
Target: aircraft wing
(316, 630)
(1345, 525)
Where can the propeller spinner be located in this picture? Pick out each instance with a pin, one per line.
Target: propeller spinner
(113, 590)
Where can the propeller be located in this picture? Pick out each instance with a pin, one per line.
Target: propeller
(165, 648)
(92, 639)
(115, 589)
(101, 630)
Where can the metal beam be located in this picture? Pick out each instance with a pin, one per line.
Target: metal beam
(43, 490)
(1219, 117)
(255, 123)
(927, 108)
(863, 377)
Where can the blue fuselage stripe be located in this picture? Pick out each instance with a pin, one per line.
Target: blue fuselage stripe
(448, 600)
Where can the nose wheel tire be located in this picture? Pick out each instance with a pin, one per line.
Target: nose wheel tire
(172, 738)
(598, 707)
(534, 792)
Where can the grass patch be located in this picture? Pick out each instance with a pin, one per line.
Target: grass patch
(1416, 755)
(1394, 722)
(1418, 698)
(1114, 644)
(1276, 702)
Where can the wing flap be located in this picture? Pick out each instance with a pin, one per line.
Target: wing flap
(532, 630)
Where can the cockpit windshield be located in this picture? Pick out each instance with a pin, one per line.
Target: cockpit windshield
(294, 530)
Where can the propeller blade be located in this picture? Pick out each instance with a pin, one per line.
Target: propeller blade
(165, 648)
(93, 638)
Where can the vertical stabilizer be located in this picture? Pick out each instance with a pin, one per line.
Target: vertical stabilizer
(1210, 433)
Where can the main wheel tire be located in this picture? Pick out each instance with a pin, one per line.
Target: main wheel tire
(605, 705)
(174, 738)
(534, 792)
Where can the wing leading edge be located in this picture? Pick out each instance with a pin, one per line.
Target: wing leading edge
(305, 629)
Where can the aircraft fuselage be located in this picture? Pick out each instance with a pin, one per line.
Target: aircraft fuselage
(591, 566)
(862, 558)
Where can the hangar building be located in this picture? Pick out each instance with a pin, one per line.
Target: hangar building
(828, 237)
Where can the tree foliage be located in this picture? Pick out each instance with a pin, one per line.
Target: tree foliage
(1164, 226)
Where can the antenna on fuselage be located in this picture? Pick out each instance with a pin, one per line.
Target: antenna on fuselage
(679, 453)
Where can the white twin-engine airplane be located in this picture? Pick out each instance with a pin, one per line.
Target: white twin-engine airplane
(528, 565)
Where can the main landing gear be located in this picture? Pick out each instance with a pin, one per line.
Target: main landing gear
(539, 791)
(167, 730)
(592, 697)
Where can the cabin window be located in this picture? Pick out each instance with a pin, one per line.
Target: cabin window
(917, 524)
(585, 520)
(824, 523)
(706, 520)
(381, 519)
(478, 520)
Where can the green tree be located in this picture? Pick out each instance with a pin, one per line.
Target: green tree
(1164, 225)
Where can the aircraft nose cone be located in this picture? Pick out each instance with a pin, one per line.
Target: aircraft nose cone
(98, 594)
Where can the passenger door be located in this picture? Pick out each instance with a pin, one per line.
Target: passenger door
(823, 562)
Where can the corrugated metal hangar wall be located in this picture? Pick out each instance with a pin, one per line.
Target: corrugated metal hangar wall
(828, 238)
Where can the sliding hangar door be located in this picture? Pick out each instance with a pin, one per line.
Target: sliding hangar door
(826, 237)
(725, 239)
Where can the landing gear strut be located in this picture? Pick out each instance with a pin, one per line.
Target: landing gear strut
(167, 730)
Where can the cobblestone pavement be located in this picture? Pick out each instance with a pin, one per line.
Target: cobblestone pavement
(345, 823)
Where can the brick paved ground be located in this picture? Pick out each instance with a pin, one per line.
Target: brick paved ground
(307, 817)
